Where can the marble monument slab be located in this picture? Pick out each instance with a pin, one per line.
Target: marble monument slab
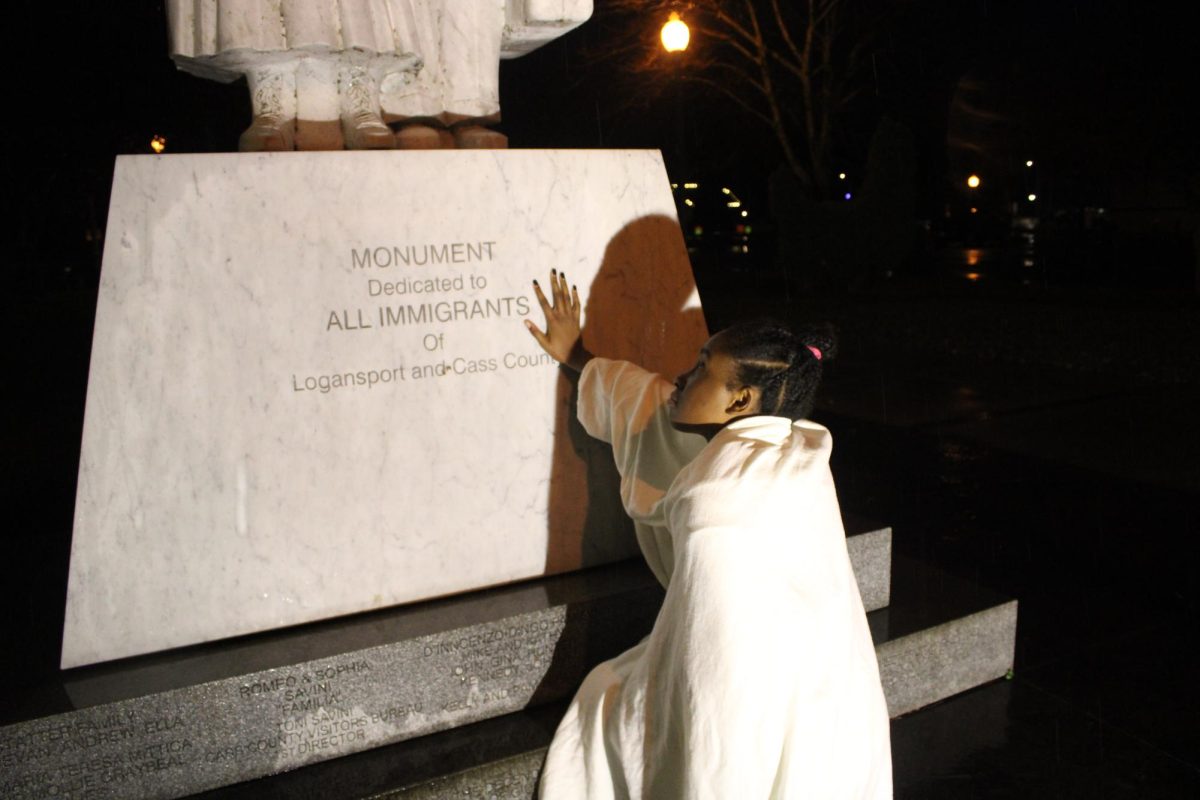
(311, 393)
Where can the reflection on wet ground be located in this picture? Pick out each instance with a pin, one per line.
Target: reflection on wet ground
(1079, 497)
(1017, 261)
(1138, 431)
(1012, 264)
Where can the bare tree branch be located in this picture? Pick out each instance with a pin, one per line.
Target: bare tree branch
(785, 32)
(733, 96)
(741, 75)
(791, 65)
(717, 35)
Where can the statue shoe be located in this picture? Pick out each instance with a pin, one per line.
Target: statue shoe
(418, 136)
(477, 137)
(366, 131)
(267, 133)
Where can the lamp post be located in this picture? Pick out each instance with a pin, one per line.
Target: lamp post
(675, 37)
(675, 34)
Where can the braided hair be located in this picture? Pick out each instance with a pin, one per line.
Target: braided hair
(780, 363)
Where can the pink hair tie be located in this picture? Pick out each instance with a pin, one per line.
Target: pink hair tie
(816, 353)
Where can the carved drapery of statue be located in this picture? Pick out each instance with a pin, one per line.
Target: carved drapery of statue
(324, 74)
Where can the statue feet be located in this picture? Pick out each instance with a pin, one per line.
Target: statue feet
(470, 136)
(419, 136)
(362, 127)
(366, 131)
(267, 133)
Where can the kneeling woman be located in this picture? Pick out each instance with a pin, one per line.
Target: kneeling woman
(759, 679)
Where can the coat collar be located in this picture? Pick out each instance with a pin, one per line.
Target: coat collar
(764, 428)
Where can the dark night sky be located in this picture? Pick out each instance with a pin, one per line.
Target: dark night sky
(1099, 90)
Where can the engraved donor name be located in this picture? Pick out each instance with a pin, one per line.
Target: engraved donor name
(419, 255)
(318, 677)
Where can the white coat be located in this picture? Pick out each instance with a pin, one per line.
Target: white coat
(759, 678)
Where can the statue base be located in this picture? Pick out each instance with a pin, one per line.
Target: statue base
(172, 724)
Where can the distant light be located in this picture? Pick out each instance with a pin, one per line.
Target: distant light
(675, 34)
(745, 213)
(973, 276)
(973, 257)
(1029, 163)
(687, 201)
(725, 190)
(841, 176)
(698, 230)
(973, 181)
(846, 196)
(748, 229)
(974, 210)
(734, 204)
(691, 186)
(674, 185)
(1032, 197)
(158, 144)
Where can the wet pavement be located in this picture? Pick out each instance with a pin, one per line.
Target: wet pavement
(1076, 494)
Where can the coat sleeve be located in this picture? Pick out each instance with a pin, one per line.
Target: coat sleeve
(626, 406)
(615, 397)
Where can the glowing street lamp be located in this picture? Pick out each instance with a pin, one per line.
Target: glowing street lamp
(973, 181)
(675, 34)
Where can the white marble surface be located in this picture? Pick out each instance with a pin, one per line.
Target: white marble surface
(219, 496)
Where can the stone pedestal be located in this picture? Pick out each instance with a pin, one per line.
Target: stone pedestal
(172, 724)
(312, 393)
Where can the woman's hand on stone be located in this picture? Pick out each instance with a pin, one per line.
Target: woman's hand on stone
(562, 310)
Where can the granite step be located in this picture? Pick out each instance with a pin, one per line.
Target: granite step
(940, 636)
(174, 723)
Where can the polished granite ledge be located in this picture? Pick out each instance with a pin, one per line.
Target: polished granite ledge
(870, 548)
(940, 636)
(172, 724)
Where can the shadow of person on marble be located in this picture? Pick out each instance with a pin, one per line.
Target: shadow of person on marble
(641, 307)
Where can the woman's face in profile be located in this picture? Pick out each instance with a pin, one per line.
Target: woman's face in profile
(703, 395)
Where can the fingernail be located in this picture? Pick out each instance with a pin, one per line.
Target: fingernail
(553, 271)
(535, 283)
